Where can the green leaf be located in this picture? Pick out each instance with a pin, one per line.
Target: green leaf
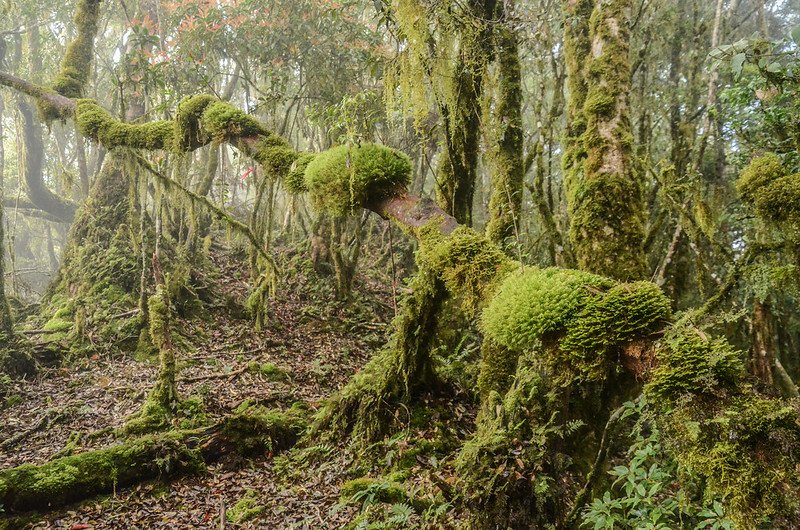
(737, 63)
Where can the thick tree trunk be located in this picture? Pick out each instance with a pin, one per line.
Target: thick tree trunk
(605, 199)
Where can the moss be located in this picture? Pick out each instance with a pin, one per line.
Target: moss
(295, 181)
(72, 478)
(532, 304)
(779, 202)
(271, 371)
(96, 123)
(689, 362)
(245, 509)
(379, 490)
(76, 64)
(366, 407)
(604, 193)
(275, 154)
(188, 133)
(258, 430)
(468, 263)
(223, 121)
(343, 179)
(761, 172)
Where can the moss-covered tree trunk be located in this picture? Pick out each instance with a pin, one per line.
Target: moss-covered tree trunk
(605, 194)
(505, 201)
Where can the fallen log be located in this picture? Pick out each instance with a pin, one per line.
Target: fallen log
(78, 477)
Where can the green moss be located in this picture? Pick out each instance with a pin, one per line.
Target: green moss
(275, 154)
(468, 263)
(223, 121)
(762, 171)
(245, 508)
(258, 430)
(271, 371)
(188, 132)
(295, 181)
(72, 478)
(76, 64)
(344, 179)
(779, 202)
(690, 362)
(96, 123)
(375, 490)
(533, 304)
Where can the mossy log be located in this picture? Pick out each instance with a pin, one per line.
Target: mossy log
(81, 476)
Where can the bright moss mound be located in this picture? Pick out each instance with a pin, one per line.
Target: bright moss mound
(534, 303)
(343, 179)
(295, 181)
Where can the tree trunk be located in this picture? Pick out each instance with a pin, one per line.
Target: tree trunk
(605, 198)
(505, 202)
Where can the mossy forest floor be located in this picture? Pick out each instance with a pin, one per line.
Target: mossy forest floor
(310, 348)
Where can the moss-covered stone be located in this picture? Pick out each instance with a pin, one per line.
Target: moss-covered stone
(343, 179)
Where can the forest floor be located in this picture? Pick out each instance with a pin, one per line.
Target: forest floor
(305, 353)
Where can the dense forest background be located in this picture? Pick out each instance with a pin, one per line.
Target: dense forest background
(400, 264)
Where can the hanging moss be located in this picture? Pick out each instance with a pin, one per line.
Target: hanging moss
(343, 179)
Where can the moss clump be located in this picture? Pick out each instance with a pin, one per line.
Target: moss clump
(96, 123)
(73, 478)
(271, 371)
(374, 489)
(259, 430)
(295, 181)
(533, 304)
(245, 508)
(761, 171)
(343, 179)
(689, 362)
(224, 122)
(468, 263)
(275, 154)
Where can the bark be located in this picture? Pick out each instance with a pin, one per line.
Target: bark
(6, 325)
(35, 187)
(505, 202)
